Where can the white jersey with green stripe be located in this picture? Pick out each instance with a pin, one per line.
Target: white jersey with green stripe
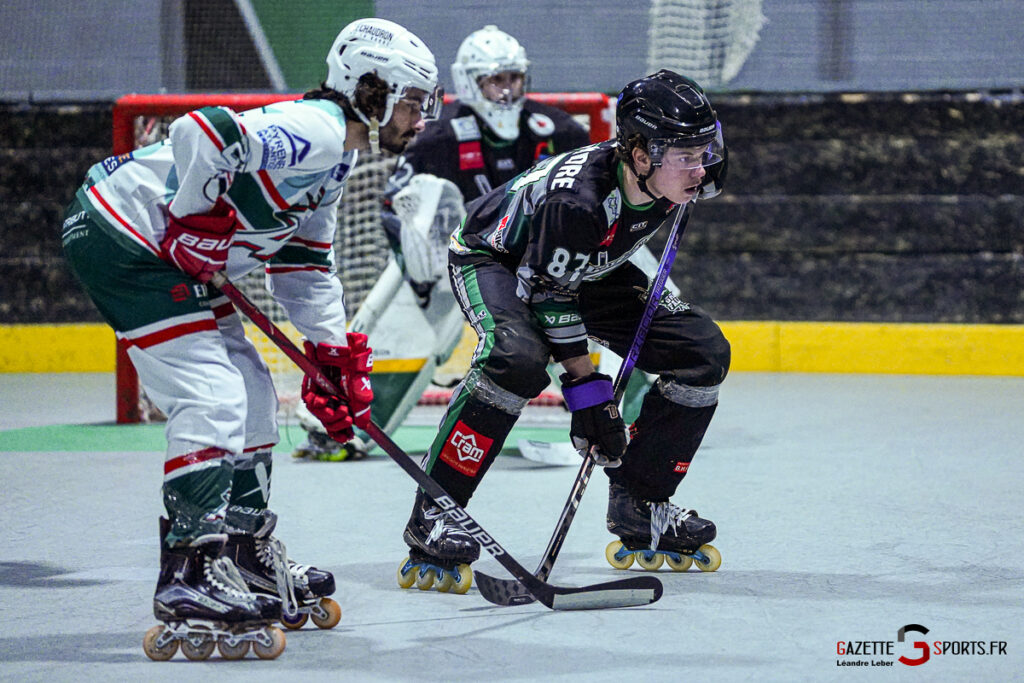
(282, 167)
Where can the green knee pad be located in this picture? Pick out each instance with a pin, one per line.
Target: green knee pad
(250, 491)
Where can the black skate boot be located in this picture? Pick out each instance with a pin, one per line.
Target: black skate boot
(655, 531)
(438, 548)
(204, 603)
(264, 565)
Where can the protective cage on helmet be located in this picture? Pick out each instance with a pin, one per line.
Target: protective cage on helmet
(394, 53)
(669, 110)
(488, 52)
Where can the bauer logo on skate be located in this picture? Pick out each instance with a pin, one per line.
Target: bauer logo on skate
(465, 449)
(472, 528)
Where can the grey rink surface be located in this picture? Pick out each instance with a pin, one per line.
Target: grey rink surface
(847, 507)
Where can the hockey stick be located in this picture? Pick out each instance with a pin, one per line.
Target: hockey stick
(622, 593)
(505, 592)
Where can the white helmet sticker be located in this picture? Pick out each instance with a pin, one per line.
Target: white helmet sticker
(541, 125)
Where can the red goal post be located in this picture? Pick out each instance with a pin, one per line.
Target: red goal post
(596, 111)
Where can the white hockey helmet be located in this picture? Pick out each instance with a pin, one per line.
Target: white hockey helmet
(487, 52)
(394, 53)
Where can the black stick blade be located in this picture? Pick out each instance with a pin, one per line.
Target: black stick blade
(502, 592)
(632, 592)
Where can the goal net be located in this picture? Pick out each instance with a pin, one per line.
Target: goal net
(707, 40)
(361, 248)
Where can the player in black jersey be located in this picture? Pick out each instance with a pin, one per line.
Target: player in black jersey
(541, 264)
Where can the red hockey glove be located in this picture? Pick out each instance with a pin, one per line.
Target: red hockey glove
(357, 382)
(331, 409)
(596, 424)
(349, 368)
(198, 244)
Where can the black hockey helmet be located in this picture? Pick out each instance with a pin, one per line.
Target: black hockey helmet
(669, 110)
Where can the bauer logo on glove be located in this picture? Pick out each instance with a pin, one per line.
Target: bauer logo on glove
(198, 244)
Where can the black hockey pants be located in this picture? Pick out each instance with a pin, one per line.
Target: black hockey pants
(684, 347)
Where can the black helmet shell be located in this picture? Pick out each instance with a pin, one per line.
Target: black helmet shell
(666, 107)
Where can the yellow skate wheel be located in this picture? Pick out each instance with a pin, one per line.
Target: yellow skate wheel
(714, 558)
(233, 652)
(465, 579)
(425, 580)
(274, 648)
(406, 577)
(684, 563)
(294, 622)
(327, 613)
(152, 650)
(651, 563)
(611, 553)
(198, 648)
(446, 582)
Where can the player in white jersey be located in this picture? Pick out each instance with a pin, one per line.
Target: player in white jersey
(235, 192)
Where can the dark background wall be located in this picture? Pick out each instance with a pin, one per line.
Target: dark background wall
(880, 208)
(884, 208)
(45, 151)
(838, 207)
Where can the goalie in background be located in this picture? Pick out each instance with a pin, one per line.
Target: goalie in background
(483, 139)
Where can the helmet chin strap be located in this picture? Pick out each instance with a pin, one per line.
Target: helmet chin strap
(641, 181)
(374, 135)
(641, 178)
(373, 124)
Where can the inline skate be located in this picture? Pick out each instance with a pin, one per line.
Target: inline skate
(439, 550)
(264, 565)
(205, 604)
(657, 532)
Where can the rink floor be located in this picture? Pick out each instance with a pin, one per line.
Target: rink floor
(848, 507)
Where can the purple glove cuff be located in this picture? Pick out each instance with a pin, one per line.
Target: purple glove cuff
(588, 394)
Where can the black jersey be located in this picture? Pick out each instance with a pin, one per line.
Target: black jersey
(458, 147)
(561, 223)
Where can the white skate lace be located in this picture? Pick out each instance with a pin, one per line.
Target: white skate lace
(223, 574)
(272, 553)
(440, 524)
(663, 515)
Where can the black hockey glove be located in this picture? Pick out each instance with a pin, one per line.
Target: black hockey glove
(597, 425)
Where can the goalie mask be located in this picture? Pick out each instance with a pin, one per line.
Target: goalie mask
(492, 53)
(668, 110)
(392, 52)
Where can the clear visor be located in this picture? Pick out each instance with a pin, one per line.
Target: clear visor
(503, 87)
(677, 155)
(430, 107)
(428, 103)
